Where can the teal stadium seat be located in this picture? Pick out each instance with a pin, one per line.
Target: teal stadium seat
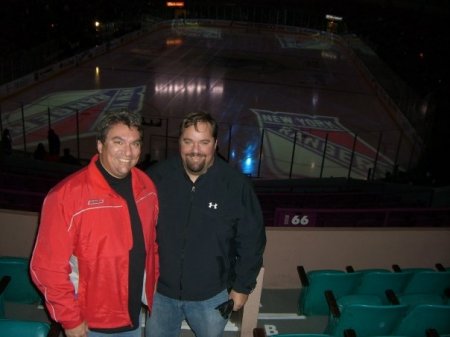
(20, 288)
(424, 317)
(428, 282)
(4, 281)
(312, 299)
(377, 282)
(359, 299)
(19, 328)
(365, 320)
(426, 287)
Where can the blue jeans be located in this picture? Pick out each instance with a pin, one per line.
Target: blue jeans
(133, 333)
(168, 314)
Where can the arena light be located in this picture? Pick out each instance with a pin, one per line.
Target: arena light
(97, 25)
(174, 42)
(333, 17)
(175, 4)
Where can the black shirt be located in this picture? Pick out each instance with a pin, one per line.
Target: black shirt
(124, 188)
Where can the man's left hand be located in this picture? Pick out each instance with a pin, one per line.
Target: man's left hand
(239, 299)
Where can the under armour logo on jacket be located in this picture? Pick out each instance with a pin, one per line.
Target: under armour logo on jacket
(213, 205)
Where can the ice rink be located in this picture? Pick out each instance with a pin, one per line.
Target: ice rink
(290, 102)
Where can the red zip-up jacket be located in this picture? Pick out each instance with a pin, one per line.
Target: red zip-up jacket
(80, 259)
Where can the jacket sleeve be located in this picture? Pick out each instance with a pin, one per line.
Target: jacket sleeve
(250, 241)
(50, 267)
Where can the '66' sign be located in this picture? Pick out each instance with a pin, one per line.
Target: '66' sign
(294, 217)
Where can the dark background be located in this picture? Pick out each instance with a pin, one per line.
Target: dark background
(410, 36)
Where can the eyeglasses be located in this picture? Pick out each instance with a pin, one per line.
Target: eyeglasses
(226, 308)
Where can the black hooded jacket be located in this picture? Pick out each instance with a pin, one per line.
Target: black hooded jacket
(210, 233)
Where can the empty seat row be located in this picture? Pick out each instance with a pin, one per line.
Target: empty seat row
(385, 319)
(411, 287)
(10, 327)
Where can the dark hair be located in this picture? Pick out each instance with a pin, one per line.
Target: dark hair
(195, 117)
(111, 118)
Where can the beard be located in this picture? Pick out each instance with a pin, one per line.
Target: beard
(195, 162)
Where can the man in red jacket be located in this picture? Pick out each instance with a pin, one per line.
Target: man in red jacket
(96, 257)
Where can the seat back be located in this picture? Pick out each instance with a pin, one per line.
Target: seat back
(376, 283)
(423, 317)
(423, 298)
(312, 298)
(4, 282)
(16, 328)
(367, 320)
(428, 282)
(20, 288)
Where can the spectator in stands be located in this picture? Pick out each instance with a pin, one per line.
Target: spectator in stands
(54, 144)
(210, 235)
(67, 158)
(40, 153)
(6, 142)
(96, 255)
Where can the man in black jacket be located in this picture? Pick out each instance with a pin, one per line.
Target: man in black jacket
(210, 234)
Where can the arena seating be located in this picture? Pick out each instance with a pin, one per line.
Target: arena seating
(16, 328)
(364, 319)
(20, 289)
(422, 317)
(314, 283)
(379, 302)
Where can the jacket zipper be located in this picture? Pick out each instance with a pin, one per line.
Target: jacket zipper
(184, 240)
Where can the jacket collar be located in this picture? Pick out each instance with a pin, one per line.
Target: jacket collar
(97, 179)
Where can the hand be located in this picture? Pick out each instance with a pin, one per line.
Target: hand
(79, 331)
(239, 299)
